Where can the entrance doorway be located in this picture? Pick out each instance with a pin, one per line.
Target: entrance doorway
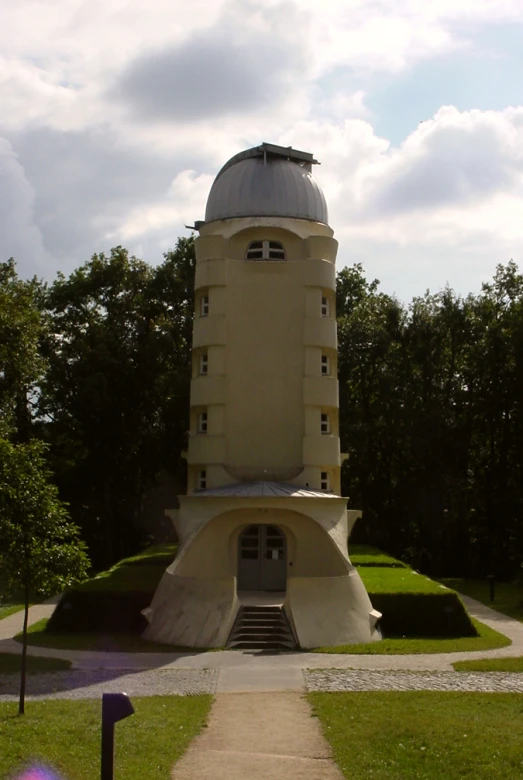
(262, 558)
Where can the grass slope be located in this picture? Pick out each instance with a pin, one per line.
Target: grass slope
(65, 736)
(508, 597)
(486, 639)
(423, 735)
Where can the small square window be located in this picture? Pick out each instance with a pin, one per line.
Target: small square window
(325, 307)
(324, 481)
(325, 365)
(202, 480)
(204, 364)
(202, 422)
(325, 424)
(204, 306)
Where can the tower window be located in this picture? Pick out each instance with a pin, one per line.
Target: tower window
(325, 424)
(204, 364)
(325, 307)
(202, 479)
(204, 306)
(202, 422)
(324, 480)
(265, 250)
(325, 365)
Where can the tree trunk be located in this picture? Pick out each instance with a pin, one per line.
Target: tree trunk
(23, 669)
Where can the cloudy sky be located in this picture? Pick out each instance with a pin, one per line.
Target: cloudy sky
(115, 116)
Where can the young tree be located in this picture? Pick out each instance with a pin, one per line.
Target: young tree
(40, 549)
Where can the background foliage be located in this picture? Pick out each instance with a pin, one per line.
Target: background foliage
(431, 394)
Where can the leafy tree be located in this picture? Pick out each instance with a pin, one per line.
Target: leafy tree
(116, 398)
(40, 549)
(21, 363)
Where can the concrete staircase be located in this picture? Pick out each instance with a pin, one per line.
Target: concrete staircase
(261, 628)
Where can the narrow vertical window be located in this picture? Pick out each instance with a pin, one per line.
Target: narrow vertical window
(202, 422)
(325, 307)
(204, 306)
(204, 364)
(324, 480)
(325, 424)
(202, 479)
(325, 365)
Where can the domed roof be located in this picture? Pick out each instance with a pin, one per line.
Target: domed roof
(267, 181)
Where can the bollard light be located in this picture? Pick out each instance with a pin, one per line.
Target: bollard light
(115, 707)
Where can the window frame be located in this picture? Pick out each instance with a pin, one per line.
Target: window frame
(202, 479)
(203, 422)
(203, 364)
(325, 365)
(325, 424)
(325, 306)
(325, 481)
(265, 246)
(204, 306)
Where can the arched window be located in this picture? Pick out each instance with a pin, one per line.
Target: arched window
(265, 250)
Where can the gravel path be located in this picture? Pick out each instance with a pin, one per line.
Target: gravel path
(92, 684)
(357, 680)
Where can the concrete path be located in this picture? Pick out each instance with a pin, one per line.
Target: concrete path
(256, 671)
(259, 736)
(12, 625)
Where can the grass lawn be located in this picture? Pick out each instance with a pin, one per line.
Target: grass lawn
(9, 609)
(65, 736)
(107, 643)
(9, 662)
(491, 665)
(423, 735)
(365, 555)
(508, 597)
(380, 579)
(144, 569)
(487, 639)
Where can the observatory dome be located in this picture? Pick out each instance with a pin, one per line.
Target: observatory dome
(267, 181)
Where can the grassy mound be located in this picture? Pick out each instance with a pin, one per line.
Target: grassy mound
(412, 605)
(112, 601)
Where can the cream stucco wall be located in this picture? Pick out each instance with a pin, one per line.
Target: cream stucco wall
(264, 337)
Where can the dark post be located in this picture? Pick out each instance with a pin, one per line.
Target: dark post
(115, 707)
(490, 578)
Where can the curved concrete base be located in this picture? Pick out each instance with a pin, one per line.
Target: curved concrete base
(330, 611)
(192, 612)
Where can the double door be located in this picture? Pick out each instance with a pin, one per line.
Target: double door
(262, 559)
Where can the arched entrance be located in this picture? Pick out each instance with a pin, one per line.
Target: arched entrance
(262, 558)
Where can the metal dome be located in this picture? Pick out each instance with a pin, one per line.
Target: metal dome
(267, 181)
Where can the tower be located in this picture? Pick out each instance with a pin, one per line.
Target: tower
(263, 511)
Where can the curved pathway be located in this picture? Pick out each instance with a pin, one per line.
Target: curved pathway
(235, 671)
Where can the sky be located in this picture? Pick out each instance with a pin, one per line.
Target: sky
(116, 115)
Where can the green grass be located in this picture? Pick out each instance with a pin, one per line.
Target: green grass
(423, 735)
(65, 736)
(487, 639)
(125, 576)
(10, 609)
(38, 636)
(364, 555)
(389, 580)
(9, 662)
(491, 665)
(508, 596)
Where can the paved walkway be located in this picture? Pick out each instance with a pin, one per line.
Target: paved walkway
(260, 736)
(236, 672)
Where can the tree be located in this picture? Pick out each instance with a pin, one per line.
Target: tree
(116, 396)
(21, 363)
(40, 549)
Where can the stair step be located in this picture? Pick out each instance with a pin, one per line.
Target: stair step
(261, 628)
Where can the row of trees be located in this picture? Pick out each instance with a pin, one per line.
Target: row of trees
(432, 416)
(97, 367)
